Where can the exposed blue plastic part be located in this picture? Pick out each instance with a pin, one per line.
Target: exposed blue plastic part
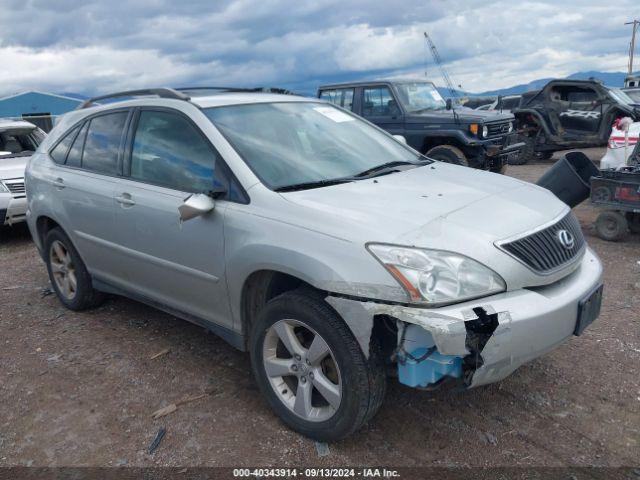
(430, 370)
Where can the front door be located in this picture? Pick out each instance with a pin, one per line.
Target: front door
(381, 108)
(179, 265)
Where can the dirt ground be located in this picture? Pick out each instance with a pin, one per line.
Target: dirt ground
(79, 388)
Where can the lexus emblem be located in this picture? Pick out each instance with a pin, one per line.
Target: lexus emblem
(565, 239)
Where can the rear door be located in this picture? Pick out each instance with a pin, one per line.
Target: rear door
(84, 185)
(575, 110)
(379, 106)
(179, 265)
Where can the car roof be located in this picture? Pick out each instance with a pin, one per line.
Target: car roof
(361, 83)
(9, 124)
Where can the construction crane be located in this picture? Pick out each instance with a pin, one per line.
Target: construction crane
(436, 58)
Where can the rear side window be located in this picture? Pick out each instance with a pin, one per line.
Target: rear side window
(342, 97)
(75, 153)
(59, 153)
(169, 151)
(103, 142)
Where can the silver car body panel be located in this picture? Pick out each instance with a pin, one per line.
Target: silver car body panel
(200, 267)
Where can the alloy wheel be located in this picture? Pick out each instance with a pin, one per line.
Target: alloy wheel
(302, 370)
(63, 270)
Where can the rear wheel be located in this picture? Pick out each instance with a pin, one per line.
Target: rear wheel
(612, 226)
(448, 154)
(310, 368)
(68, 275)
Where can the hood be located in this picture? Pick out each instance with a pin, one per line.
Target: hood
(465, 115)
(13, 167)
(430, 206)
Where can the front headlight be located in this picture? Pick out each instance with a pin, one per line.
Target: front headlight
(436, 277)
(3, 188)
(485, 131)
(510, 127)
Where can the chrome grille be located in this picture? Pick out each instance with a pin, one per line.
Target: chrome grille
(15, 186)
(497, 129)
(543, 251)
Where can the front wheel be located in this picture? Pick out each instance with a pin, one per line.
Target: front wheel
(311, 369)
(448, 154)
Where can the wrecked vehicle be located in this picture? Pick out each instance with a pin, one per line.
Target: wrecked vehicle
(415, 110)
(568, 114)
(295, 230)
(18, 141)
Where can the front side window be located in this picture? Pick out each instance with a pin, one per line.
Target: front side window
(378, 102)
(292, 143)
(420, 96)
(169, 151)
(103, 142)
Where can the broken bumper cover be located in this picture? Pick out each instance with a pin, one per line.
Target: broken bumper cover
(531, 322)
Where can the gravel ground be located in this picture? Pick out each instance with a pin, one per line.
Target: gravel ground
(79, 388)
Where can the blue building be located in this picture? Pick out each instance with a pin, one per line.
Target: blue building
(40, 108)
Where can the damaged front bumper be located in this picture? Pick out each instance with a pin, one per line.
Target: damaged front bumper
(530, 323)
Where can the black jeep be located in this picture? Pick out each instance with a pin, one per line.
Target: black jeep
(415, 110)
(568, 114)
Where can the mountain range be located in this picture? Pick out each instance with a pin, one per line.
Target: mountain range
(611, 79)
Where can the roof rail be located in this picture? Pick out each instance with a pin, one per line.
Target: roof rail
(160, 92)
(196, 90)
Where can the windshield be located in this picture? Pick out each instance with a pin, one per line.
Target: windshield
(622, 97)
(292, 143)
(16, 143)
(420, 96)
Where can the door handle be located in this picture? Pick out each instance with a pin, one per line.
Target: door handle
(125, 200)
(59, 183)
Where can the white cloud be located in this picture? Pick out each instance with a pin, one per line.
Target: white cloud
(95, 46)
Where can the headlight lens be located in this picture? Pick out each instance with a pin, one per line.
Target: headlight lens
(437, 277)
(510, 127)
(485, 131)
(3, 187)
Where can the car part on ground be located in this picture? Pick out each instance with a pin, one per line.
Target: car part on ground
(569, 178)
(568, 114)
(432, 126)
(256, 216)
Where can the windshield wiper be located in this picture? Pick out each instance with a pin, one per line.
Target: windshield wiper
(384, 168)
(317, 184)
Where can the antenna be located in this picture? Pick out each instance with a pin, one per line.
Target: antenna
(632, 44)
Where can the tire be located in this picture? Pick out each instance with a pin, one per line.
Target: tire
(448, 154)
(361, 383)
(63, 261)
(612, 226)
(633, 219)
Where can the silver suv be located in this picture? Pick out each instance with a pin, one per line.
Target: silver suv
(331, 251)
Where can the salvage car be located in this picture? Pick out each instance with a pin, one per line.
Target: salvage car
(18, 141)
(568, 114)
(299, 232)
(415, 110)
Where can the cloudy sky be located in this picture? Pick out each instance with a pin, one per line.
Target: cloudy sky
(93, 46)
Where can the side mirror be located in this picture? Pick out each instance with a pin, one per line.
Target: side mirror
(400, 138)
(196, 205)
(449, 104)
